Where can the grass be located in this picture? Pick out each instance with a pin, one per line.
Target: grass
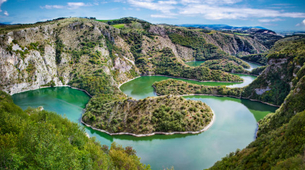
(105, 21)
(241, 34)
(119, 26)
(212, 32)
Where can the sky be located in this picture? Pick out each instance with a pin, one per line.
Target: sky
(278, 15)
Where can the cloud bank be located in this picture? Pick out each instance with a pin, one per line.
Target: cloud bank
(70, 5)
(211, 9)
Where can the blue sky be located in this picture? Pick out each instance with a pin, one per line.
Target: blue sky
(277, 15)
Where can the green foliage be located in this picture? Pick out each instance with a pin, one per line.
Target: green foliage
(256, 58)
(35, 46)
(125, 20)
(31, 68)
(284, 63)
(194, 40)
(281, 135)
(111, 48)
(114, 113)
(62, 80)
(177, 87)
(23, 53)
(125, 158)
(228, 64)
(293, 104)
(96, 83)
(50, 84)
(119, 26)
(9, 48)
(15, 41)
(191, 39)
(188, 39)
(281, 148)
(257, 71)
(135, 40)
(167, 64)
(35, 139)
(58, 50)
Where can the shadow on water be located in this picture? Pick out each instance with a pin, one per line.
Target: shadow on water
(98, 134)
(234, 127)
(259, 110)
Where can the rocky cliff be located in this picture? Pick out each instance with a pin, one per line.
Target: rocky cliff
(66, 51)
(54, 53)
(284, 69)
(281, 135)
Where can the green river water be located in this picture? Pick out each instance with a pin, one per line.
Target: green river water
(252, 66)
(198, 63)
(234, 127)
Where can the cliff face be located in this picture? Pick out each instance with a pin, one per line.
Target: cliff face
(235, 44)
(282, 73)
(19, 75)
(230, 43)
(55, 53)
(280, 138)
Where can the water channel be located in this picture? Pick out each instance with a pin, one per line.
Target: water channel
(234, 127)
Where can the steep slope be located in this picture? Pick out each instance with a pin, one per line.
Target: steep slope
(178, 87)
(38, 139)
(280, 141)
(57, 52)
(285, 68)
(74, 50)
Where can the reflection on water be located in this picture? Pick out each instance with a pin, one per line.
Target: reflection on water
(234, 126)
(252, 65)
(141, 87)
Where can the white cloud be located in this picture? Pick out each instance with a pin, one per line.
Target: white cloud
(52, 7)
(5, 13)
(301, 24)
(219, 12)
(210, 2)
(1, 2)
(75, 5)
(270, 20)
(70, 5)
(211, 9)
(190, 2)
(162, 16)
(163, 6)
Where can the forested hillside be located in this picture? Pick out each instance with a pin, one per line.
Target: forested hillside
(73, 50)
(154, 114)
(284, 70)
(280, 141)
(25, 145)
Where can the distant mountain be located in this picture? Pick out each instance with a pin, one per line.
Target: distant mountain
(5, 23)
(218, 27)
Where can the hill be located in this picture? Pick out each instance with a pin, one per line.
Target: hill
(280, 141)
(25, 145)
(148, 116)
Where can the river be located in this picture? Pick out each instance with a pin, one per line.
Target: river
(198, 63)
(234, 127)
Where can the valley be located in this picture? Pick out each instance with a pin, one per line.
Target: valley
(120, 62)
